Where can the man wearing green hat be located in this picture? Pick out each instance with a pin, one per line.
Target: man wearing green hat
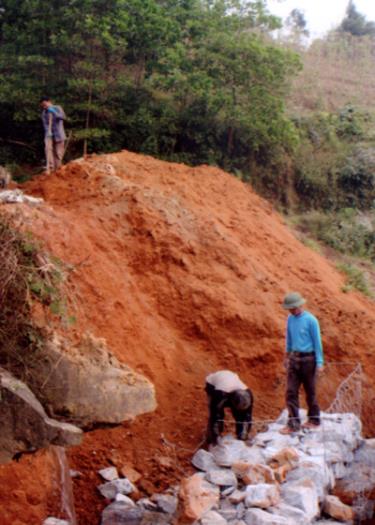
(304, 358)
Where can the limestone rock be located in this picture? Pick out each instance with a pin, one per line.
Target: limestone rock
(117, 486)
(203, 460)
(314, 473)
(261, 517)
(252, 474)
(286, 456)
(227, 510)
(166, 502)
(339, 470)
(109, 473)
(155, 518)
(198, 496)
(253, 455)
(237, 496)
(130, 473)
(146, 503)
(222, 477)
(213, 518)
(294, 515)
(24, 424)
(263, 495)
(90, 385)
(338, 510)
(124, 499)
(119, 513)
(228, 451)
(302, 495)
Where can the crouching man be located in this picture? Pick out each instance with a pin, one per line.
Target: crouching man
(226, 390)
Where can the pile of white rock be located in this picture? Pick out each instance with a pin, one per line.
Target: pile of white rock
(277, 480)
(160, 509)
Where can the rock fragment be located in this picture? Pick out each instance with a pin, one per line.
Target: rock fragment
(337, 509)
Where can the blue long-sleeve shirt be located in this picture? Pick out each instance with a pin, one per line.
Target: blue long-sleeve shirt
(303, 335)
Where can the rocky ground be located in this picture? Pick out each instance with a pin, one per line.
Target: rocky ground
(182, 271)
(275, 479)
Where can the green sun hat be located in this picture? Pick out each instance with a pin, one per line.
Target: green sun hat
(293, 300)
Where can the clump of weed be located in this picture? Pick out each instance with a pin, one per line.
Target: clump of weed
(27, 276)
(356, 279)
(347, 231)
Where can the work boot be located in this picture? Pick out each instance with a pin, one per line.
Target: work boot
(309, 425)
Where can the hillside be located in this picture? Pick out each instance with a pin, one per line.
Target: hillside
(336, 71)
(183, 271)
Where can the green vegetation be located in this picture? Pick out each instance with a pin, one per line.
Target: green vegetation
(28, 277)
(355, 279)
(347, 231)
(198, 81)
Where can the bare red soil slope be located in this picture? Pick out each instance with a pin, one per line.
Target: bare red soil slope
(183, 271)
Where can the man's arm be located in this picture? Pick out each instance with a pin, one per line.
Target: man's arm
(317, 342)
(288, 344)
(50, 118)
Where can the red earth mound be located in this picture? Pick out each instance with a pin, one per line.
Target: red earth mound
(183, 270)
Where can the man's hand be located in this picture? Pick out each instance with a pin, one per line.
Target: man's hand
(320, 370)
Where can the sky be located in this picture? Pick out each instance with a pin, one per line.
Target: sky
(321, 15)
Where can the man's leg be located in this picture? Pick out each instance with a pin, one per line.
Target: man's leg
(216, 403)
(292, 393)
(309, 384)
(243, 420)
(48, 149)
(58, 154)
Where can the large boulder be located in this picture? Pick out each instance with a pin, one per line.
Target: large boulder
(198, 496)
(89, 385)
(303, 495)
(25, 426)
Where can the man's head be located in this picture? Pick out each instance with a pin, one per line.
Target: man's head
(45, 102)
(293, 302)
(240, 399)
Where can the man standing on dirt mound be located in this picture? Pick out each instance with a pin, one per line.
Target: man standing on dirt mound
(304, 358)
(54, 134)
(226, 390)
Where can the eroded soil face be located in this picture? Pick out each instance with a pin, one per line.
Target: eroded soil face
(183, 271)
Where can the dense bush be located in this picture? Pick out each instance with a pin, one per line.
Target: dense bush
(334, 166)
(27, 276)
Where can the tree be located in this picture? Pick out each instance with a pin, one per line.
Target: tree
(355, 23)
(297, 23)
(229, 79)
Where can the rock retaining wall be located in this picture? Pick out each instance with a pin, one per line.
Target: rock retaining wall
(276, 480)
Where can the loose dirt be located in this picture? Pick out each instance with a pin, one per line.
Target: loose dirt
(183, 271)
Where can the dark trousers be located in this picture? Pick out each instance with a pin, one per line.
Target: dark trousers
(217, 402)
(301, 371)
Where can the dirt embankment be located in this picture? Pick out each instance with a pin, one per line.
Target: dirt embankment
(182, 270)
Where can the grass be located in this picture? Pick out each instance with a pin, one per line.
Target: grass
(356, 279)
(28, 275)
(342, 238)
